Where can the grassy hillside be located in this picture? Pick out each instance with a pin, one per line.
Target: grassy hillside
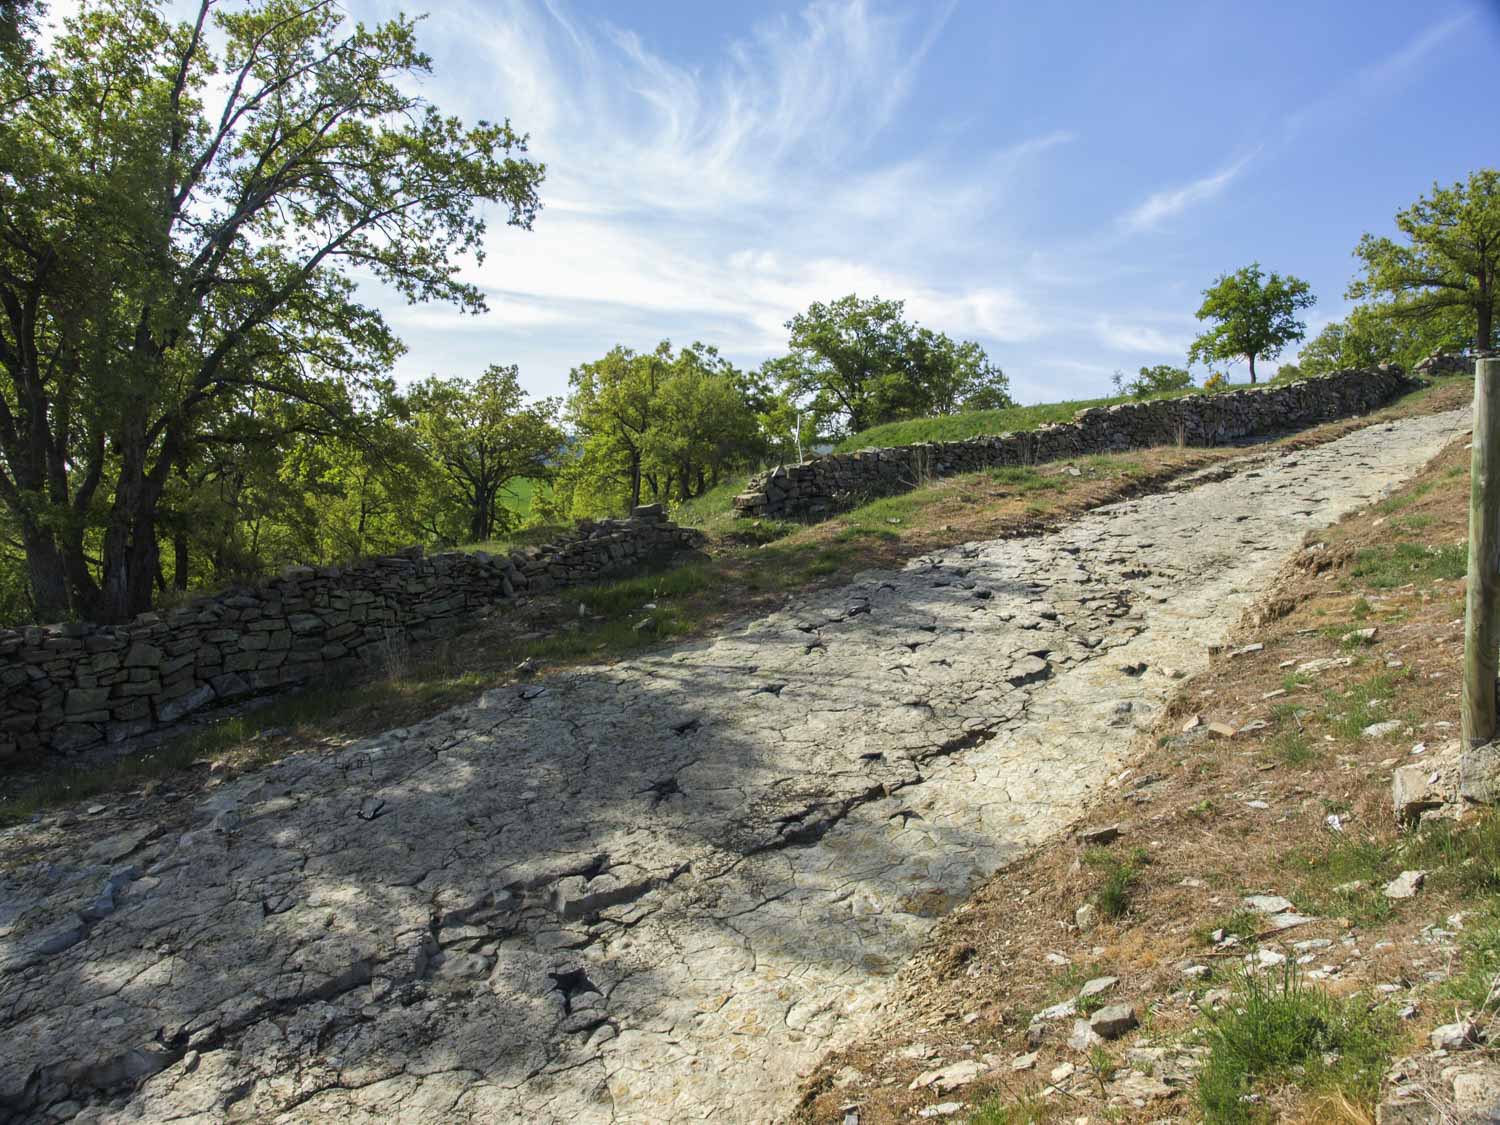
(957, 427)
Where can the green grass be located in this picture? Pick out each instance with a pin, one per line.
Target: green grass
(520, 495)
(1120, 873)
(1243, 923)
(1292, 748)
(973, 423)
(1277, 1029)
(1475, 981)
(1397, 564)
(1342, 880)
(1026, 1110)
(1349, 713)
(1461, 857)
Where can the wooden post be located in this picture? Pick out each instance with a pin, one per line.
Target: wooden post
(1482, 620)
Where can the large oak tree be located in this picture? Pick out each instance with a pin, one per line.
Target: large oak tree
(183, 210)
(1449, 264)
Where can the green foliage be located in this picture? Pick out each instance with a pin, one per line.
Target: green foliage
(1256, 316)
(481, 438)
(862, 362)
(1373, 334)
(1160, 379)
(656, 427)
(1278, 1029)
(187, 206)
(1447, 269)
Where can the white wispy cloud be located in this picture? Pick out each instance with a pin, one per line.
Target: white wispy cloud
(718, 200)
(1163, 205)
(1381, 75)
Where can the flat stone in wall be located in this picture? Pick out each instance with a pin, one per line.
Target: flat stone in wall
(65, 688)
(823, 485)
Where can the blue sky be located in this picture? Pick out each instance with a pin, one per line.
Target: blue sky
(1056, 180)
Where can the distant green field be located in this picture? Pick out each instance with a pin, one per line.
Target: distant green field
(519, 494)
(957, 427)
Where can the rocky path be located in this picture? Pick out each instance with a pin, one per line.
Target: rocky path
(652, 892)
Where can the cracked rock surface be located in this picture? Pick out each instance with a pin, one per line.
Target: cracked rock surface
(656, 891)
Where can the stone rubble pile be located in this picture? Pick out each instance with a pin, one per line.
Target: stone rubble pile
(820, 486)
(64, 688)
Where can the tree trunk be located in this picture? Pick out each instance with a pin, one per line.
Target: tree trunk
(180, 561)
(1485, 337)
(49, 586)
(1252, 369)
(130, 546)
(635, 480)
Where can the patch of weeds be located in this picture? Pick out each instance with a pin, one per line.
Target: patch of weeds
(1343, 879)
(1413, 523)
(1294, 680)
(1026, 1110)
(1474, 985)
(1203, 810)
(1361, 608)
(1385, 567)
(1279, 1029)
(1293, 748)
(1103, 1065)
(1022, 479)
(1243, 924)
(1120, 873)
(1404, 498)
(1362, 704)
(1462, 857)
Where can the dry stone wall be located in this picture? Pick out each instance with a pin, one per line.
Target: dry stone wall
(823, 485)
(65, 688)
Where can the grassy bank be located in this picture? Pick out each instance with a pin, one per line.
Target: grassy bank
(974, 423)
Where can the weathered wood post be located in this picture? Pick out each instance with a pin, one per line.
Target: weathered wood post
(1482, 619)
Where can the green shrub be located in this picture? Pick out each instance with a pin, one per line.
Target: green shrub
(1278, 1029)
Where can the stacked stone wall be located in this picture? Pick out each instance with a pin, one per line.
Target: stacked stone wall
(66, 688)
(823, 485)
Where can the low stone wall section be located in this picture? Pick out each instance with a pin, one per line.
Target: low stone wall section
(823, 485)
(65, 688)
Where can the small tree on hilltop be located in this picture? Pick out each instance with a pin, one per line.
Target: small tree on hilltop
(1451, 263)
(1161, 379)
(1256, 315)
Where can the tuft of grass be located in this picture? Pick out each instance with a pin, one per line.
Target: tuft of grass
(1279, 1030)
(1120, 873)
(1460, 857)
(1023, 479)
(1026, 1110)
(1328, 879)
(1243, 924)
(1388, 566)
(1362, 704)
(1292, 748)
(1477, 984)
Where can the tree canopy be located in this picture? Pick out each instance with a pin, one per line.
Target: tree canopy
(1448, 265)
(861, 361)
(1255, 315)
(660, 425)
(482, 437)
(183, 208)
